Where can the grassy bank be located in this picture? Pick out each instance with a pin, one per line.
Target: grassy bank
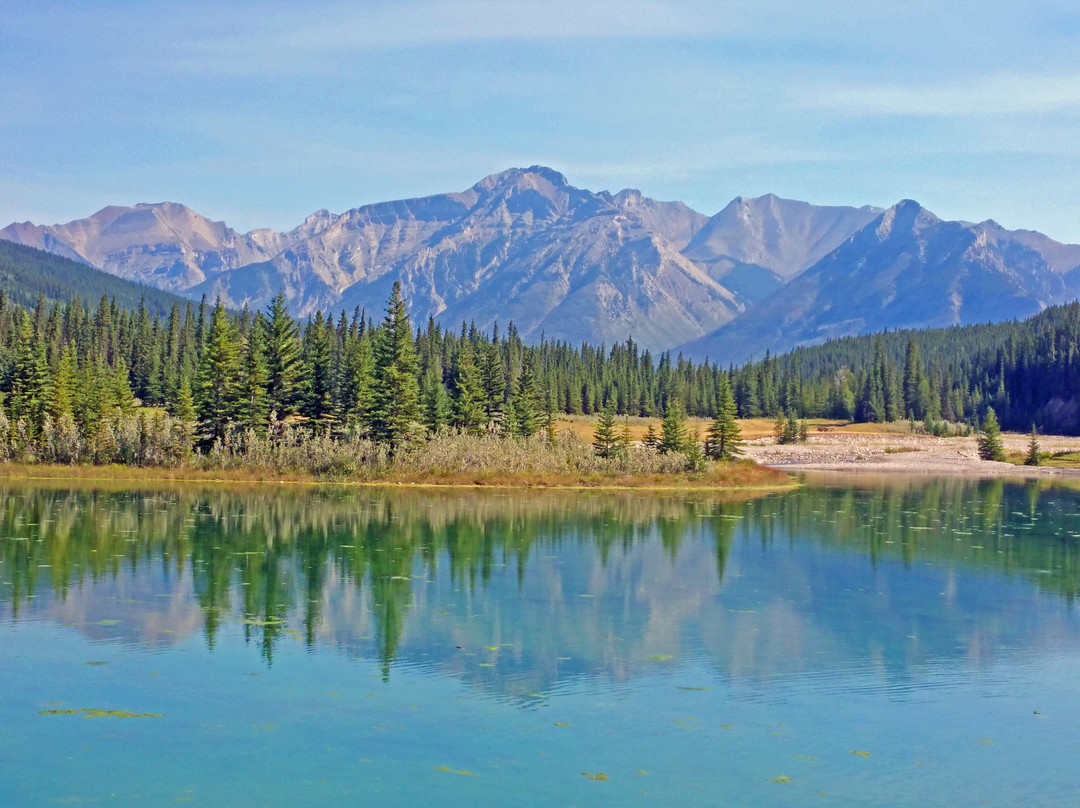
(450, 460)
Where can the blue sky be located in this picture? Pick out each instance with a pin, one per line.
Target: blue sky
(260, 113)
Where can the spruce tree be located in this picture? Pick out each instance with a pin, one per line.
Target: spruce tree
(254, 410)
(122, 399)
(30, 382)
(1032, 458)
(436, 403)
(605, 442)
(358, 379)
(317, 398)
(651, 441)
(723, 438)
(185, 414)
(283, 366)
(673, 428)
(219, 374)
(468, 402)
(989, 440)
(523, 418)
(64, 383)
(624, 442)
(492, 373)
(395, 393)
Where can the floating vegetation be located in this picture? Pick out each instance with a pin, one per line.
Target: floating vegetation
(465, 772)
(985, 740)
(562, 723)
(93, 712)
(107, 622)
(660, 657)
(859, 752)
(783, 778)
(595, 775)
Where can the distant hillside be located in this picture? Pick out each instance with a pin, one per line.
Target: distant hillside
(904, 269)
(1029, 371)
(26, 273)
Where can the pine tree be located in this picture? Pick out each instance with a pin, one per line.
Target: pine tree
(673, 428)
(1032, 458)
(989, 440)
(283, 365)
(723, 438)
(605, 442)
(395, 393)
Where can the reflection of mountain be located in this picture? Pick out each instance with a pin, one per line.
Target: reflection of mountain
(520, 595)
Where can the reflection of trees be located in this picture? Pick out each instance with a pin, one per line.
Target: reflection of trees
(272, 551)
(1025, 529)
(348, 567)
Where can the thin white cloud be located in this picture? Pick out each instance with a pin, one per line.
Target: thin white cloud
(312, 42)
(990, 95)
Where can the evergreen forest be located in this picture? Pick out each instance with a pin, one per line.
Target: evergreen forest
(69, 370)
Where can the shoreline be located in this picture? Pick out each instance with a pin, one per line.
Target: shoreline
(767, 480)
(906, 454)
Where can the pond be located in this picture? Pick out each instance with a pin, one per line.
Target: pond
(864, 643)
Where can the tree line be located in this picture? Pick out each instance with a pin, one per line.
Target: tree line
(215, 372)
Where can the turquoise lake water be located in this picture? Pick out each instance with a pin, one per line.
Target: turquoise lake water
(858, 644)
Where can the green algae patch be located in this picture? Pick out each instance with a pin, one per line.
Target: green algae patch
(859, 752)
(93, 712)
(660, 657)
(783, 778)
(465, 772)
(595, 775)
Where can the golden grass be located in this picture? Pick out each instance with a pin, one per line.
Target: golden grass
(752, 428)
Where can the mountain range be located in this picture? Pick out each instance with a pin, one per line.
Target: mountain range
(566, 263)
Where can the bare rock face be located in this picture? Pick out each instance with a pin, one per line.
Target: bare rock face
(163, 244)
(522, 245)
(566, 263)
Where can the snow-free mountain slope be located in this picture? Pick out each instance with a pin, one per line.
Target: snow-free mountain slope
(568, 263)
(905, 269)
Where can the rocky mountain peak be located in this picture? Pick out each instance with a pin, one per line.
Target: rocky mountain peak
(907, 218)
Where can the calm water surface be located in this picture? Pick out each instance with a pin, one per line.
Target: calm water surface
(913, 644)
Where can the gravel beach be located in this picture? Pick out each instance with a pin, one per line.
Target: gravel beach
(905, 454)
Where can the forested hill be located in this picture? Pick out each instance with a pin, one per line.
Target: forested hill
(1029, 371)
(27, 273)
